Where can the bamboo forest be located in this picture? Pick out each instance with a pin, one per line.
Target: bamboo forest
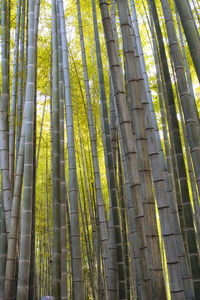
(100, 150)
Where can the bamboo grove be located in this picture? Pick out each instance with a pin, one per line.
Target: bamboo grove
(100, 149)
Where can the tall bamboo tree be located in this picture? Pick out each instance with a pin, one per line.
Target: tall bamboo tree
(20, 94)
(111, 171)
(187, 212)
(74, 224)
(62, 167)
(191, 32)
(188, 73)
(56, 248)
(10, 275)
(139, 276)
(174, 134)
(169, 178)
(154, 143)
(141, 141)
(99, 195)
(32, 264)
(25, 241)
(14, 96)
(3, 254)
(4, 108)
(126, 130)
(191, 127)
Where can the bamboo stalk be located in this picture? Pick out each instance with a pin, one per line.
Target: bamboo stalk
(76, 254)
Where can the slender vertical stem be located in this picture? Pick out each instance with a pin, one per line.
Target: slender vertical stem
(191, 32)
(145, 143)
(56, 250)
(75, 242)
(110, 170)
(99, 195)
(64, 291)
(127, 135)
(25, 242)
(162, 191)
(14, 97)
(4, 108)
(20, 79)
(192, 134)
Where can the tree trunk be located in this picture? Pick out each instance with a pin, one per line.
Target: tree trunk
(25, 242)
(64, 287)
(99, 196)
(142, 139)
(111, 171)
(127, 134)
(191, 32)
(162, 186)
(56, 249)
(14, 97)
(192, 134)
(78, 289)
(20, 80)
(4, 108)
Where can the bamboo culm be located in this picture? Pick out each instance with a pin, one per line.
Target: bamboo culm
(26, 221)
(74, 228)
